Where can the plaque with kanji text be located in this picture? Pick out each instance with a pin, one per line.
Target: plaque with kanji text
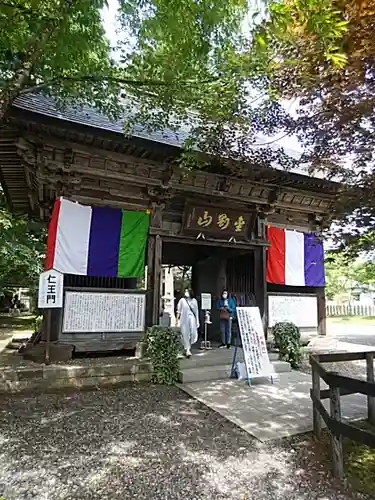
(220, 223)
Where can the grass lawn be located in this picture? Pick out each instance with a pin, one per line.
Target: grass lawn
(359, 460)
(365, 320)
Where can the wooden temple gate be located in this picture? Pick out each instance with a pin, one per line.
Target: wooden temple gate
(215, 222)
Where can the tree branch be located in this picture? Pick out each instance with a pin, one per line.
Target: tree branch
(125, 81)
(274, 140)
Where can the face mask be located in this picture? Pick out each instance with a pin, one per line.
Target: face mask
(187, 295)
(225, 295)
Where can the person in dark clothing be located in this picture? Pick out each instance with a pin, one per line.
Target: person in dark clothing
(226, 305)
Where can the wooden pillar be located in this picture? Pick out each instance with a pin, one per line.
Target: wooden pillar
(336, 439)
(370, 378)
(55, 324)
(221, 276)
(154, 262)
(261, 269)
(157, 280)
(150, 280)
(322, 319)
(131, 283)
(260, 283)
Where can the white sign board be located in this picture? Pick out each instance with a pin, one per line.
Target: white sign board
(298, 309)
(51, 289)
(253, 342)
(206, 304)
(89, 312)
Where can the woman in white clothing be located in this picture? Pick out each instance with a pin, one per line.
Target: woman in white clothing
(188, 316)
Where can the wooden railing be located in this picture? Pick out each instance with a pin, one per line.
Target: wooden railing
(340, 385)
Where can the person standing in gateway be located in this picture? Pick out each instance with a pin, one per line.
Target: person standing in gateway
(227, 308)
(188, 316)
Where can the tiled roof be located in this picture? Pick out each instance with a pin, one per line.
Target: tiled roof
(84, 115)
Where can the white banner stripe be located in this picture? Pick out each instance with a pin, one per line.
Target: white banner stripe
(72, 239)
(294, 258)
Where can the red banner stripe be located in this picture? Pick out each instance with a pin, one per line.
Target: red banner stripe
(52, 233)
(276, 256)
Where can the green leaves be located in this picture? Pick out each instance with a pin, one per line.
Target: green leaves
(50, 45)
(305, 27)
(186, 64)
(345, 273)
(287, 339)
(21, 249)
(163, 345)
(338, 59)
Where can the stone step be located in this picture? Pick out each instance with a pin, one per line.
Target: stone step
(216, 357)
(220, 372)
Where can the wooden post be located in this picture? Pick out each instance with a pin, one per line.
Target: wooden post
(260, 285)
(150, 280)
(317, 419)
(322, 315)
(370, 378)
(221, 276)
(264, 296)
(48, 313)
(157, 280)
(336, 440)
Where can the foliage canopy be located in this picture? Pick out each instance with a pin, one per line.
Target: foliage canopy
(335, 117)
(21, 249)
(345, 275)
(220, 67)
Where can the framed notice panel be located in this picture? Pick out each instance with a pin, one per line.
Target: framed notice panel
(253, 343)
(96, 312)
(302, 310)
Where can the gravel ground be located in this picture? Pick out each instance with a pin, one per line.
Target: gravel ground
(146, 442)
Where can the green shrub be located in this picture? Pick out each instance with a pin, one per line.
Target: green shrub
(163, 345)
(287, 340)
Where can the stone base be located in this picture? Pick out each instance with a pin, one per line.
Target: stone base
(41, 378)
(140, 350)
(57, 352)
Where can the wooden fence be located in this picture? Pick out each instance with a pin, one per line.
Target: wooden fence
(340, 385)
(353, 310)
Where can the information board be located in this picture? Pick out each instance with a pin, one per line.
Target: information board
(298, 309)
(91, 312)
(206, 302)
(253, 342)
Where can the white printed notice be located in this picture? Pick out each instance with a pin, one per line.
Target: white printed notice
(302, 310)
(253, 343)
(91, 312)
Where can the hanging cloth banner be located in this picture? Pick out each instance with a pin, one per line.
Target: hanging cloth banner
(294, 258)
(97, 241)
